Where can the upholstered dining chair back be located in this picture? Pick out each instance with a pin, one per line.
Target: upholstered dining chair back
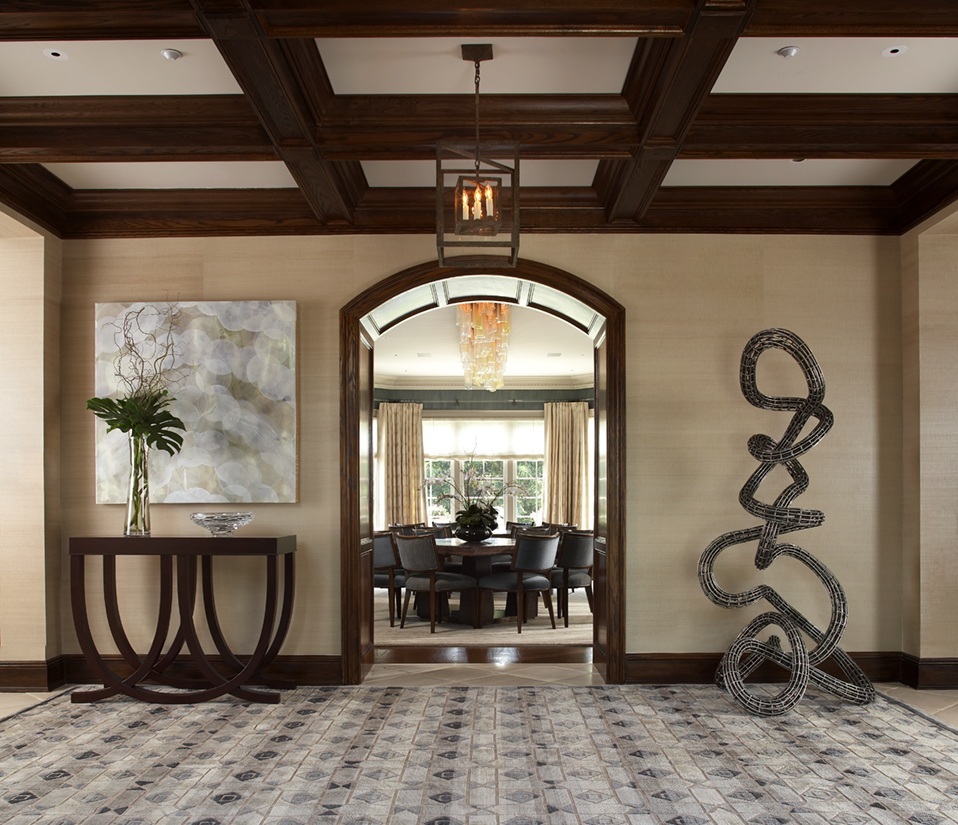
(575, 550)
(386, 571)
(417, 553)
(384, 551)
(535, 553)
(406, 529)
(512, 527)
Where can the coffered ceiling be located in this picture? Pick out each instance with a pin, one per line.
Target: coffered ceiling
(296, 117)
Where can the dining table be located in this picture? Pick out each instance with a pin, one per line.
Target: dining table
(477, 559)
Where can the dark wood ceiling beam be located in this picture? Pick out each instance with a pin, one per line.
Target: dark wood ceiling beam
(131, 128)
(502, 18)
(812, 210)
(207, 213)
(406, 127)
(188, 213)
(269, 72)
(925, 189)
(667, 82)
(36, 194)
(392, 127)
(824, 126)
(151, 19)
(97, 20)
(862, 18)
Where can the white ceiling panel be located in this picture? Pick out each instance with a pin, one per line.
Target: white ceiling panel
(531, 172)
(115, 67)
(818, 172)
(175, 175)
(434, 65)
(427, 346)
(828, 65)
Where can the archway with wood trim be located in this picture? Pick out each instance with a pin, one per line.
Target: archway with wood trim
(356, 455)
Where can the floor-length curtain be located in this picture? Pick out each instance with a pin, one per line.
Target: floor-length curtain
(401, 462)
(566, 465)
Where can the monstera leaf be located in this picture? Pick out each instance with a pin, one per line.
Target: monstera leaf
(142, 414)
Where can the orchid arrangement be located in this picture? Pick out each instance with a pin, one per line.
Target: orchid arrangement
(475, 494)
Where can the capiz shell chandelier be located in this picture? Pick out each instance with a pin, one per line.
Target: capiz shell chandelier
(483, 343)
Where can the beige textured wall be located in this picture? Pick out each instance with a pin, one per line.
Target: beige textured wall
(937, 304)
(692, 303)
(29, 421)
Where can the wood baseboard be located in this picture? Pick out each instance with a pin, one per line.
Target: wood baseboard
(700, 668)
(928, 673)
(640, 668)
(72, 669)
(33, 677)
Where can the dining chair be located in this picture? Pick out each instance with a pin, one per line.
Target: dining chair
(424, 574)
(387, 571)
(406, 529)
(513, 526)
(573, 568)
(531, 572)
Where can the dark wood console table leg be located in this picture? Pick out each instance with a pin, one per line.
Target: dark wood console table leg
(277, 615)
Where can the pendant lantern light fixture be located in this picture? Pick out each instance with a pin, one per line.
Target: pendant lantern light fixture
(477, 206)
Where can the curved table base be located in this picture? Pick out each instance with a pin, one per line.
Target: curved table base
(231, 674)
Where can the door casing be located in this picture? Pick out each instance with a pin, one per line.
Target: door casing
(355, 457)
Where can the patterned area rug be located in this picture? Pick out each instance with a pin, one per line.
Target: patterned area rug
(538, 631)
(681, 755)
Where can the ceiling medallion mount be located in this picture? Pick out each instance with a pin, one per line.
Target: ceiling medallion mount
(477, 208)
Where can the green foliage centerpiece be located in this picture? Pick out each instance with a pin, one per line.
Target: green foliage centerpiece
(145, 368)
(477, 497)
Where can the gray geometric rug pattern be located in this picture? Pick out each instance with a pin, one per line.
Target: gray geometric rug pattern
(681, 755)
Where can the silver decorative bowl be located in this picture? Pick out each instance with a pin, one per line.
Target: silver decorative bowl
(221, 524)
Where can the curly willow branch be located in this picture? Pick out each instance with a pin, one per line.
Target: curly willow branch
(747, 652)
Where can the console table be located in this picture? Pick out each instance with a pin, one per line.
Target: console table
(179, 559)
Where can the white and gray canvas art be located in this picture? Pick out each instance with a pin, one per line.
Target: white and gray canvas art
(234, 389)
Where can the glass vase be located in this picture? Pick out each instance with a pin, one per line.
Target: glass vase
(138, 498)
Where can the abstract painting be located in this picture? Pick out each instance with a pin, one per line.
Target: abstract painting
(234, 383)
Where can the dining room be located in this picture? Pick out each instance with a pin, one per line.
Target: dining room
(509, 430)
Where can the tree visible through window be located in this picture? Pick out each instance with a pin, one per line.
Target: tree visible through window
(525, 506)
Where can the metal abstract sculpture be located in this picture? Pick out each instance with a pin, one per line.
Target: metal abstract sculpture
(747, 652)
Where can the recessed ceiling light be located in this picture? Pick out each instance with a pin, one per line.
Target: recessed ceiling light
(553, 355)
(172, 54)
(787, 51)
(424, 355)
(798, 160)
(894, 51)
(56, 54)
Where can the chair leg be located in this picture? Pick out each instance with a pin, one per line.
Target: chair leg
(564, 600)
(398, 597)
(432, 611)
(405, 608)
(520, 606)
(588, 595)
(547, 598)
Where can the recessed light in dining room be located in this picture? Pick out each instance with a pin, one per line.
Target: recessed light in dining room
(56, 54)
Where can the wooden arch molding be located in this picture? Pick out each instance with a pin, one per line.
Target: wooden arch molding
(356, 459)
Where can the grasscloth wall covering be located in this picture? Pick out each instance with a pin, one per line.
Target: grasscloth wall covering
(692, 303)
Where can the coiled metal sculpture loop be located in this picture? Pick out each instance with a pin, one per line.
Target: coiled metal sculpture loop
(747, 652)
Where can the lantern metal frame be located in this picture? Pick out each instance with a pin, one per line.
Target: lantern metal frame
(498, 211)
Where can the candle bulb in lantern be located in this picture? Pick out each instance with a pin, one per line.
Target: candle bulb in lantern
(477, 204)
(490, 213)
(465, 205)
